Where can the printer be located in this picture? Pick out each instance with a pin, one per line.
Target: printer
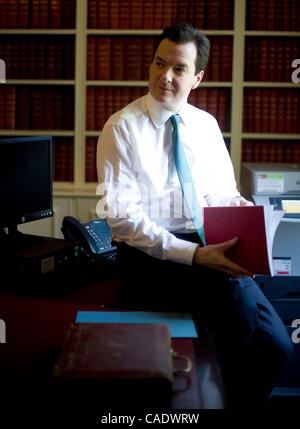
(278, 185)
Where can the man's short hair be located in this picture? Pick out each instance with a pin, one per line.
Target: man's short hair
(185, 33)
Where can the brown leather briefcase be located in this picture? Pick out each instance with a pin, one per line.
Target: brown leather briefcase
(116, 365)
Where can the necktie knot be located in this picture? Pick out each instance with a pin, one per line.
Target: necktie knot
(175, 122)
(175, 119)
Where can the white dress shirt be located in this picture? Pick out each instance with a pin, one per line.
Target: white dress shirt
(143, 200)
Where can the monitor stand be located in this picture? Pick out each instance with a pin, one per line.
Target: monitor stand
(11, 239)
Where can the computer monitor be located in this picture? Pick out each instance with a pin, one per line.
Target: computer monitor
(26, 191)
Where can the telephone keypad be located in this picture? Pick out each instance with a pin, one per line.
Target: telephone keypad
(101, 234)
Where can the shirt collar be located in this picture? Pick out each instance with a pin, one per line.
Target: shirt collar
(159, 114)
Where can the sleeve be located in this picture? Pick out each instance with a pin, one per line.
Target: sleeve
(120, 201)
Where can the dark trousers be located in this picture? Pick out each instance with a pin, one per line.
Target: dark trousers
(251, 341)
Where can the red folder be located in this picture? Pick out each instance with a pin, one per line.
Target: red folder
(248, 224)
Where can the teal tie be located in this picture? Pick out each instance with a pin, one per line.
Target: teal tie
(186, 181)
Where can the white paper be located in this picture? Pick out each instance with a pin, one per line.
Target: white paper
(272, 220)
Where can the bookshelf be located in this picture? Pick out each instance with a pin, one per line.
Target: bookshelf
(37, 43)
(271, 100)
(73, 63)
(120, 42)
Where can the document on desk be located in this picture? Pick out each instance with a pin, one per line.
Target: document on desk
(255, 226)
(181, 325)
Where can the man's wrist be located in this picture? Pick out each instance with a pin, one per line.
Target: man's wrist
(195, 255)
(181, 251)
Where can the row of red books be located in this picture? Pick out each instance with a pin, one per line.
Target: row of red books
(103, 102)
(271, 151)
(151, 14)
(129, 57)
(212, 14)
(270, 58)
(37, 108)
(277, 15)
(119, 58)
(38, 57)
(37, 13)
(108, 58)
(63, 159)
(219, 66)
(215, 101)
(272, 110)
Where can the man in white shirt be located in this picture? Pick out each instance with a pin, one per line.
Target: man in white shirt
(161, 256)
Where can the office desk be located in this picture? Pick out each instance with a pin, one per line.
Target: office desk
(36, 326)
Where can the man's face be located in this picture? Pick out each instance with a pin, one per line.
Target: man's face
(172, 73)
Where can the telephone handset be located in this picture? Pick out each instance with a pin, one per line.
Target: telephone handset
(95, 236)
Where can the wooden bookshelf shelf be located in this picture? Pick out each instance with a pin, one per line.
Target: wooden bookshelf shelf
(265, 84)
(29, 82)
(38, 31)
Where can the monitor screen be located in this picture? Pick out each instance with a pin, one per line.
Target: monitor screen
(25, 180)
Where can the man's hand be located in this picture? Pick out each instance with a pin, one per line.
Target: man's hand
(213, 256)
(240, 201)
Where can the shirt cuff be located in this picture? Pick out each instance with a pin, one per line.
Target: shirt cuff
(181, 251)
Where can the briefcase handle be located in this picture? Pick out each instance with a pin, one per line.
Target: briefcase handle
(188, 367)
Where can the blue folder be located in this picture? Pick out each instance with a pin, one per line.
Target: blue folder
(181, 325)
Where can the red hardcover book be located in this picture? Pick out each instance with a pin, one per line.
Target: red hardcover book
(92, 13)
(22, 14)
(132, 54)
(117, 58)
(148, 14)
(103, 60)
(90, 108)
(90, 160)
(213, 69)
(248, 224)
(55, 14)
(9, 107)
(103, 14)
(114, 13)
(136, 16)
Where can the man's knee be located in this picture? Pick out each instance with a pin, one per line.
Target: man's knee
(282, 342)
(260, 317)
(270, 334)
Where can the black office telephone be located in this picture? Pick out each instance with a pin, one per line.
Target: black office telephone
(94, 236)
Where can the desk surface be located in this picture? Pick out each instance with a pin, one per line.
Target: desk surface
(36, 325)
